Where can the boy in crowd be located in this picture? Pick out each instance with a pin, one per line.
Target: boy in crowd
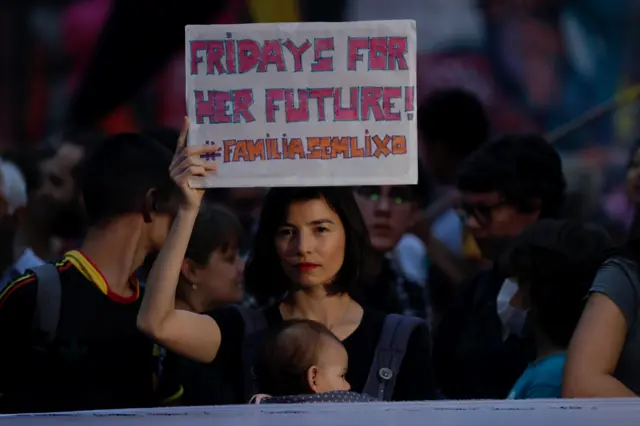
(554, 263)
(387, 211)
(90, 354)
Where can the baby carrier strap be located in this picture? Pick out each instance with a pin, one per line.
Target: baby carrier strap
(392, 346)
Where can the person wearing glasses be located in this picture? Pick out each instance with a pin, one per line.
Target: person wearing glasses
(482, 344)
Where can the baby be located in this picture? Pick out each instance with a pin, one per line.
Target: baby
(304, 362)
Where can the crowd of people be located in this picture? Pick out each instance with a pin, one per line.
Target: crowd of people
(125, 287)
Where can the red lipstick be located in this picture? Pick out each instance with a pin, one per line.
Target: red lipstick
(306, 266)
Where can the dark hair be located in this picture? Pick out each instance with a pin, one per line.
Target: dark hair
(121, 171)
(522, 168)
(216, 228)
(167, 136)
(556, 262)
(289, 351)
(263, 275)
(454, 118)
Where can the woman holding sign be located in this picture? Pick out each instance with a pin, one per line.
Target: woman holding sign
(308, 253)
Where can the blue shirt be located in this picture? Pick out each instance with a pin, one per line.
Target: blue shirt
(542, 379)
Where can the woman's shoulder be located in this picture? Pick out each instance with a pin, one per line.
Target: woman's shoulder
(616, 269)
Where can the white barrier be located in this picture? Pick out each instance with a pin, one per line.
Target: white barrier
(612, 412)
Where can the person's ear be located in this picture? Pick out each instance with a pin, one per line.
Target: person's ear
(312, 378)
(150, 205)
(190, 272)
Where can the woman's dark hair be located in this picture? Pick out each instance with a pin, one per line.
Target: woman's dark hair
(264, 277)
(216, 228)
(556, 262)
(289, 351)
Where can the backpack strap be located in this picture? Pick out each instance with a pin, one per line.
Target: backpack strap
(392, 346)
(48, 303)
(254, 326)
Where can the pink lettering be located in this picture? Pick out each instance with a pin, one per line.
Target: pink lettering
(322, 63)
(215, 53)
(242, 101)
(220, 101)
(204, 107)
(389, 94)
(196, 46)
(297, 114)
(397, 49)
(345, 114)
(273, 96)
(378, 53)
(248, 55)
(354, 45)
(321, 95)
(272, 54)
(371, 97)
(297, 53)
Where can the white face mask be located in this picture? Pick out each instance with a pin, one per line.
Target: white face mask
(513, 319)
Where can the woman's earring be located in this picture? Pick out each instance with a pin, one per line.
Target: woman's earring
(194, 287)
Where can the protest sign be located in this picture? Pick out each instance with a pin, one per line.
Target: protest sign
(297, 104)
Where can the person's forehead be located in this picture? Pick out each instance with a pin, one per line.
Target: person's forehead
(308, 211)
(68, 156)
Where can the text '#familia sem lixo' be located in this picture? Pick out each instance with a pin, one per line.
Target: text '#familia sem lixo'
(308, 148)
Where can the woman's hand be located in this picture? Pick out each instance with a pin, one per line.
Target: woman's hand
(188, 163)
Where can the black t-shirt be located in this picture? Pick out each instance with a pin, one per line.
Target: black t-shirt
(98, 360)
(472, 358)
(415, 380)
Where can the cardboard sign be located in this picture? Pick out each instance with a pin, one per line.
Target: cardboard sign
(304, 104)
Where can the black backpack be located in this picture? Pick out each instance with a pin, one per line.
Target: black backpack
(390, 351)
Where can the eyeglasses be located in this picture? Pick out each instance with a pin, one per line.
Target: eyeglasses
(482, 212)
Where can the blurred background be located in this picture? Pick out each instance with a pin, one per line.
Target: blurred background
(536, 64)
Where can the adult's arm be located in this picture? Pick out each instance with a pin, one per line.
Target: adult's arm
(597, 343)
(192, 335)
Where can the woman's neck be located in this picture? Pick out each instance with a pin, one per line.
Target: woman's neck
(338, 312)
(117, 251)
(188, 299)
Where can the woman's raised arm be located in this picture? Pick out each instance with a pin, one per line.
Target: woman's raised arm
(191, 335)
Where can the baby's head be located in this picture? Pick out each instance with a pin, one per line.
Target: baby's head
(302, 357)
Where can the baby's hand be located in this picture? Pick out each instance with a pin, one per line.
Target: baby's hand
(258, 397)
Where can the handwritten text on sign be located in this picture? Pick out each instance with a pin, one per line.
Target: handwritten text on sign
(341, 91)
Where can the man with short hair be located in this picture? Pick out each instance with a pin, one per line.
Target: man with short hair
(97, 358)
(59, 196)
(483, 345)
